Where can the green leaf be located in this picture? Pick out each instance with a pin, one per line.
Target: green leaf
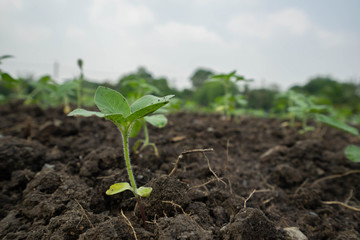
(146, 105)
(85, 113)
(8, 78)
(352, 152)
(144, 191)
(157, 120)
(118, 188)
(110, 101)
(116, 118)
(134, 131)
(148, 100)
(80, 63)
(332, 122)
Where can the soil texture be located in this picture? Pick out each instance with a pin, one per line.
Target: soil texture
(245, 178)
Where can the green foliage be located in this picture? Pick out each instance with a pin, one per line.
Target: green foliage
(262, 98)
(140, 87)
(115, 107)
(300, 106)
(228, 100)
(200, 76)
(352, 152)
(332, 122)
(340, 95)
(5, 57)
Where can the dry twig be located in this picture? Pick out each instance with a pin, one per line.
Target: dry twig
(217, 178)
(177, 205)
(129, 224)
(334, 176)
(84, 213)
(227, 162)
(252, 193)
(204, 184)
(188, 152)
(342, 204)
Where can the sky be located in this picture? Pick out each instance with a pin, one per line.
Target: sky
(282, 42)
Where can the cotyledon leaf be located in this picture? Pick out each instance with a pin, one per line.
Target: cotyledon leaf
(118, 188)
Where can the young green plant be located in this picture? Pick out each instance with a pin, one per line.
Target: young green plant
(141, 87)
(79, 83)
(113, 106)
(302, 107)
(352, 152)
(228, 80)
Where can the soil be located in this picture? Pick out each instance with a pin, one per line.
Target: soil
(263, 180)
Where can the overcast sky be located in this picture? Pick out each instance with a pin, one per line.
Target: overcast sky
(279, 41)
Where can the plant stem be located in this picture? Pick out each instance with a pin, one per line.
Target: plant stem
(125, 138)
(146, 133)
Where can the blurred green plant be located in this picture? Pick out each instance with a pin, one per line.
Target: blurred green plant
(300, 107)
(228, 101)
(352, 152)
(142, 87)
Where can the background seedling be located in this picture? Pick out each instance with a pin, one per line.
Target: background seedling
(302, 107)
(114, 107)
(352, 152)
(142, 87)
(227, 80)
(79, 83)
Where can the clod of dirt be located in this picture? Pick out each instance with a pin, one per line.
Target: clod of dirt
(20, 178)
(46, 181)
(167, 195)
(180, 227)
(17, 153)
(307, 198)
(200, 213)
(68, 225)
(113, 228)
(348, 235)
(251, 223)
(287, 176)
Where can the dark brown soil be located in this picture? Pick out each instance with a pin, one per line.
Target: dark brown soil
(54, 171)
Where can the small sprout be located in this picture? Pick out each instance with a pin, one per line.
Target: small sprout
(228, 102)
(114, 106)
(352, 152)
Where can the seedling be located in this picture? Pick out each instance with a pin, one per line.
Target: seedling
(142, 87)
(352, 152)
(113, 106)
(227, 80)
(302, 107)
(157, 120)
(79, 82)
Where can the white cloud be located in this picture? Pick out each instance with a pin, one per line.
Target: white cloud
(284, 23)
(119, 13)
(6, 5)
(75, 33)
(32, 33)
(266, 26)
(178, 32)
(331, 39)
(291, 20)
